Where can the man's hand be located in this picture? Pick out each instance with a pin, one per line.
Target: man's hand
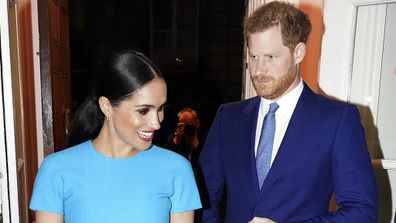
(179, 133)
(261, 220)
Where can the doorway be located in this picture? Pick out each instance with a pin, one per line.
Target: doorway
(200, 41)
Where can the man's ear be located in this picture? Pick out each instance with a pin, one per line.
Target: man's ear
(105, 106)
(299, 52)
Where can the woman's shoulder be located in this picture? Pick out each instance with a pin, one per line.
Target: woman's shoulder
(68, 155)
(165, 153)
(169, 157)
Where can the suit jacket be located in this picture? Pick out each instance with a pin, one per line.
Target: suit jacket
(323, 151)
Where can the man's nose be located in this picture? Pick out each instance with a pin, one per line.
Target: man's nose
(262, 67)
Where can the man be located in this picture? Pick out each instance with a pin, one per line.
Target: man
(312, 146)
(188, 138)
(188, 141)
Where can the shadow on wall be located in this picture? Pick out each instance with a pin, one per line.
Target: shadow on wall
(384, 189)
(381, 175)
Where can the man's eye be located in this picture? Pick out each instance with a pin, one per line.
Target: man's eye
(270, 57)
(253, 57)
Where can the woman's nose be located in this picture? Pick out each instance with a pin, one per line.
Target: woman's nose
(155, 122)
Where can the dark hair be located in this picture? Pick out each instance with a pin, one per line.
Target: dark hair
(294, 23)
(118, 76)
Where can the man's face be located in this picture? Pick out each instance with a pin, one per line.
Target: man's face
(187, 123)
(272, 66)
(187, 118)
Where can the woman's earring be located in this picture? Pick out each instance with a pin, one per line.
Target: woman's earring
(108, 118)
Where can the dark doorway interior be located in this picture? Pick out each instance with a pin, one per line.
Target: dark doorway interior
(198, 45)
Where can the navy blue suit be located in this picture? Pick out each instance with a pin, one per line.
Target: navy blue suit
(323, 150)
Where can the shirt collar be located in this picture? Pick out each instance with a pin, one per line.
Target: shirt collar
(286, 102)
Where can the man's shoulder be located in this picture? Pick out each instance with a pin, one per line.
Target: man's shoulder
(324, 101)
(240, 105)
(329, 102)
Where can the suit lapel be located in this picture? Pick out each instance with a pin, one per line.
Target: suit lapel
(299, 129)
(246, 143)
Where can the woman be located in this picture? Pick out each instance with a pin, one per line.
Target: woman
(112, 172)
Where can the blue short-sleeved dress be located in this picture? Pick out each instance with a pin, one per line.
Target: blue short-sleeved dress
(85, 186)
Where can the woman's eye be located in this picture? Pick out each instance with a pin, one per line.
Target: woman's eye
(143, 111)
(163, 107)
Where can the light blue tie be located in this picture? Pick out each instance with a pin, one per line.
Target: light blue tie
(264, 149)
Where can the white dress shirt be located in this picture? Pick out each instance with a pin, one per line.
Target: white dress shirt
(287, 104)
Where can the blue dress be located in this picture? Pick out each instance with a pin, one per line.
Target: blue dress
(85, 186)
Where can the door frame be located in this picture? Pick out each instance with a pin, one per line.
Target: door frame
(18, 130)
(8, 163)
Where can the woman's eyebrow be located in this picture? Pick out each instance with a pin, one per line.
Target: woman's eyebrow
(149, 105)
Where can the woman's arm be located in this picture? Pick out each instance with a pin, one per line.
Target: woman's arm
(185, 217)
(45, 217)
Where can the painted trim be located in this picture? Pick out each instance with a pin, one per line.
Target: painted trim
(386, 164)
(37, 82)
(7, 136)
(370, 2)
(370, 32)
(248, 87)
(389, 164)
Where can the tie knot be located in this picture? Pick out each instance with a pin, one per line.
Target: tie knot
(273, 107)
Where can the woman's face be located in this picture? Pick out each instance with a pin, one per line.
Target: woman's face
(136, 118)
